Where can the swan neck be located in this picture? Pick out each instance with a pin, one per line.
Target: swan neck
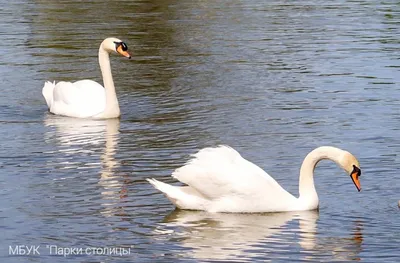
(306, 184)
(112, 106)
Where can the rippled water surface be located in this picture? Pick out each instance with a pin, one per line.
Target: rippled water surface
(273, 79)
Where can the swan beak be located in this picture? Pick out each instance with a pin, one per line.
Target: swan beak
(355, 174)
(123, 52)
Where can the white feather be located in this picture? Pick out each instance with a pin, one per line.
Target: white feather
(81, 99)
(226, 182)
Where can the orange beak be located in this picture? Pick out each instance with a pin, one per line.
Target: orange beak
(122, 52)
(355, 174)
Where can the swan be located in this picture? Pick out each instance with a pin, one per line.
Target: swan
(219, 179)
(87, 98)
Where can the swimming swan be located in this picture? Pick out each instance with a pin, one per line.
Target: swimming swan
(220, 180)
(87, 98)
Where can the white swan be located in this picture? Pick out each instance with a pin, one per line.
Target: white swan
(87, 98)
(220, 180)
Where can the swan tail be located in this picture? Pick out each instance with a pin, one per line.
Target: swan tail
(47, 92)
(171, 192)
(183, 197)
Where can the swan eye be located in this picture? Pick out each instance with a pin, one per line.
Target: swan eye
(357, 171)
(123, 46)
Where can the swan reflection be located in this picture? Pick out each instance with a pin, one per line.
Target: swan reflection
(227, 236)
(86, 143)
(344, 248)
(73, 135)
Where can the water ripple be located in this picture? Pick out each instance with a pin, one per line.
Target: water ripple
(272, 79)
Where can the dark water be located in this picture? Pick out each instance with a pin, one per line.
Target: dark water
(273, 79)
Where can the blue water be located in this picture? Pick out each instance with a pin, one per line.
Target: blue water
(272, 79)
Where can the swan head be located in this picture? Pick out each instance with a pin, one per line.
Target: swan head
(351, 165)
(116, 45)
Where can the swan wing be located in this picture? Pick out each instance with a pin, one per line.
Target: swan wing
(221, 173)
(83, 99)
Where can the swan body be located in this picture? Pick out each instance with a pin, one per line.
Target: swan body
(219, 179)
(87, 98)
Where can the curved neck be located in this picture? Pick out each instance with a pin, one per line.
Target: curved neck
(112, 107)
(308, 194)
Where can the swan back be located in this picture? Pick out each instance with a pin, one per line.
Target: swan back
(232, 183)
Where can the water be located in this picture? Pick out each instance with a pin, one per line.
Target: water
(272, 79)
